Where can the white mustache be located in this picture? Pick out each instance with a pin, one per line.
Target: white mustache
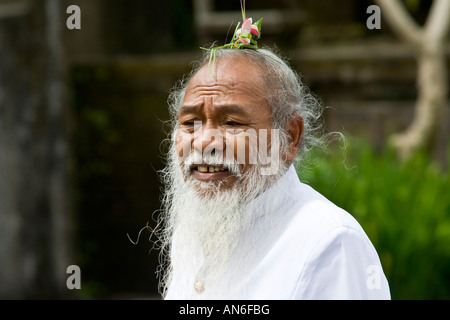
(196, 158)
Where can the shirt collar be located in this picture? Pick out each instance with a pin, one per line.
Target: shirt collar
(277, 196)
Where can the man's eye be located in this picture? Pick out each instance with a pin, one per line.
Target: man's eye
(188, 123)
(233, 123)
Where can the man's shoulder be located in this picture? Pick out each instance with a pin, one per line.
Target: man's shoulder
(314, 204)
(313, 214)
(306, 217)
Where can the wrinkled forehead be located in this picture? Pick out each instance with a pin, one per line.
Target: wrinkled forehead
(227, 78)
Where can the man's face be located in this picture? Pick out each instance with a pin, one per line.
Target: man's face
(217, 116)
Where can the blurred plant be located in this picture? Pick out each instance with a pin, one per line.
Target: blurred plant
(403, 207)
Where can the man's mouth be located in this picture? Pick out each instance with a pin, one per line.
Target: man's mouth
(210, 169)
(210, 172)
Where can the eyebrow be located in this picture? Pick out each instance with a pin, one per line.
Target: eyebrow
(232, 108)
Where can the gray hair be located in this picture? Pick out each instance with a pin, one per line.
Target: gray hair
(286, 94)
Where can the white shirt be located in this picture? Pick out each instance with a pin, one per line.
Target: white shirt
(306, 248)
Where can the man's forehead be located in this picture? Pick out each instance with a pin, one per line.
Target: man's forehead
(225, 69)
(231, 78)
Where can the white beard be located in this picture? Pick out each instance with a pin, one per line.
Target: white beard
(202, 231)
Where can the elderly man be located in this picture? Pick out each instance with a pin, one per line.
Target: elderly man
(238, 223)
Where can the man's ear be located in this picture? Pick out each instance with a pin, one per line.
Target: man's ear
(294, 129)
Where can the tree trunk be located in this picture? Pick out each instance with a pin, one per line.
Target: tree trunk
(35, 206)
(432, 82)
(432, 78)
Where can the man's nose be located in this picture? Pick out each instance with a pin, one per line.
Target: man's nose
(208, 139)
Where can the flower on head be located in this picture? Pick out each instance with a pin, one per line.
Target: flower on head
(244, 37)
(248, 33)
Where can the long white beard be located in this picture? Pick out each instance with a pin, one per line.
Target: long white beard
(202, 231)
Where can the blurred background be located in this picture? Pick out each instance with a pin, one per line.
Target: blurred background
(82, 116)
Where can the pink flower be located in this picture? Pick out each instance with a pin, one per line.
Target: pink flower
(247, 25)
(246, 31)
(254, 31)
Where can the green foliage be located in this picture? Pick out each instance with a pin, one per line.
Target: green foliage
(403, 207)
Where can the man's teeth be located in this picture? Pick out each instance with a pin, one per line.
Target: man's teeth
(209, 169)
